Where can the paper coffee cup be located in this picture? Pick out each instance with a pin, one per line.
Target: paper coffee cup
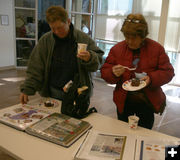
(133, 121)
(82, 47)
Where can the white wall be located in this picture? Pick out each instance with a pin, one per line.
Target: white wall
(7, 39)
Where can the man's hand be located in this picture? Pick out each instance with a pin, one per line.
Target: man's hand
(146, 79)
(85, 55)
(23, 98)
(118, 70)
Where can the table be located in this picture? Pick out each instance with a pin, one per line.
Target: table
(23, 146)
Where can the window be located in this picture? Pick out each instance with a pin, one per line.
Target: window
(110, 16)
(104, 19)
(82, 15)
(172, 39)
(105, 46)
(25, 23)
(43, 26)
(152, 12)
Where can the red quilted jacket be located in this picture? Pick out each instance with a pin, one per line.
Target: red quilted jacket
(153, 61)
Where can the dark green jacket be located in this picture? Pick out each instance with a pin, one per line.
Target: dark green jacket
(37, 74)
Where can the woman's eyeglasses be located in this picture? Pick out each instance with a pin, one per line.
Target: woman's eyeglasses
(132, 20)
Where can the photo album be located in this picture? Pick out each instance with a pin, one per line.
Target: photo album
(59, 128)
(54, 127)
(21, 116)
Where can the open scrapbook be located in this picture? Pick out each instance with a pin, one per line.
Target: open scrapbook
(21, 116)
(54, 127)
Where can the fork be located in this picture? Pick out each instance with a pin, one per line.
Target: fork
(131, 69)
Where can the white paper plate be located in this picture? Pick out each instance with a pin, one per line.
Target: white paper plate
(127, 86)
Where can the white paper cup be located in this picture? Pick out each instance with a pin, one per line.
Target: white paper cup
(133, 121)
(82, 47)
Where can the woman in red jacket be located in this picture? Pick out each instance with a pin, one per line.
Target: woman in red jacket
(151, 65)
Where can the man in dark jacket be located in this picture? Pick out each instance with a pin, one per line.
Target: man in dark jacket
(54, 60)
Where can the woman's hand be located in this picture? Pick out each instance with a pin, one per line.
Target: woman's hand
(118, 70)
(23, 98)
(146, 79)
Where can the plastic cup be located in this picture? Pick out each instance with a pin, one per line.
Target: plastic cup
(82, 47)
(133, 121)
(140, 75)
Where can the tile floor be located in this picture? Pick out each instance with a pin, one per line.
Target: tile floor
(167, 123)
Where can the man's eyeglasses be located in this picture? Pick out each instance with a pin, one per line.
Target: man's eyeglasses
(132, 20)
